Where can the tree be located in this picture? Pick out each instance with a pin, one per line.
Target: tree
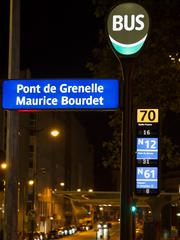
(155, 78)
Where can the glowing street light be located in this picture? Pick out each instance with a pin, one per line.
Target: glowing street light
(55, 132)
(31, 182)
(3, 165)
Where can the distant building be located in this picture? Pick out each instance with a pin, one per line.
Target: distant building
(65, 162)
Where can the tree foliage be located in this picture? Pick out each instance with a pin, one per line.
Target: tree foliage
(156, 76)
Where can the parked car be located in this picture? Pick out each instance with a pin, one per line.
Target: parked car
(53, 234)
(42, 236)
(104, 225)
(89, 225)
(61, 232)
(34, 236)
(74, 229)
(81, 227)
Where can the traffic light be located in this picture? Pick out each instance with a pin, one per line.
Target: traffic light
(133, 207)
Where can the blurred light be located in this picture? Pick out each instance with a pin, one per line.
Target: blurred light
(43, 170)
(174, 204)
(99, 226)
(4, 165)
(62, 184)
(101, 208)
(133, 208)
(178, 214)
(70, 231)
(90, 190)
(55, 132)
(78, 190)
(31, 182)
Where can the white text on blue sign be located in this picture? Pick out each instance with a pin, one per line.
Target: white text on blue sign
(61, 94)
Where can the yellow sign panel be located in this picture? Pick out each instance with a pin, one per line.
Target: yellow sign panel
(147, 115)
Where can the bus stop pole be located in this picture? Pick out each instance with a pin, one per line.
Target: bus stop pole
(126, 160)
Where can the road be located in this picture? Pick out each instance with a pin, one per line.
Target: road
(91, 235)
(115, 231)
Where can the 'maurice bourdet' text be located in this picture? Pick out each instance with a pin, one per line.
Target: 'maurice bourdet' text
(63, 90)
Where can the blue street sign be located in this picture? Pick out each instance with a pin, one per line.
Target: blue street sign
(146, 178)
(61, 94)
(147, 148)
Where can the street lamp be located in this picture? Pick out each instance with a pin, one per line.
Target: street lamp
(62, 184)
(31, 182)
(55, 132)
(3, 165)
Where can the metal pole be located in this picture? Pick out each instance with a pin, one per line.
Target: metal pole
(11, 201)
(126, 161)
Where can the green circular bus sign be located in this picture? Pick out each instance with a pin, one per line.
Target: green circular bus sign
(128, 25)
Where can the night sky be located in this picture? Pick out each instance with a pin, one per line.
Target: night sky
(57, 40)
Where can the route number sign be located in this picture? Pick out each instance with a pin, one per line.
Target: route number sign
(147, 178)
(147, 152)
(147, 115)
(147, 148)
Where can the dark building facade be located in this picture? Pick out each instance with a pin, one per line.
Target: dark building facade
(48, 164)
